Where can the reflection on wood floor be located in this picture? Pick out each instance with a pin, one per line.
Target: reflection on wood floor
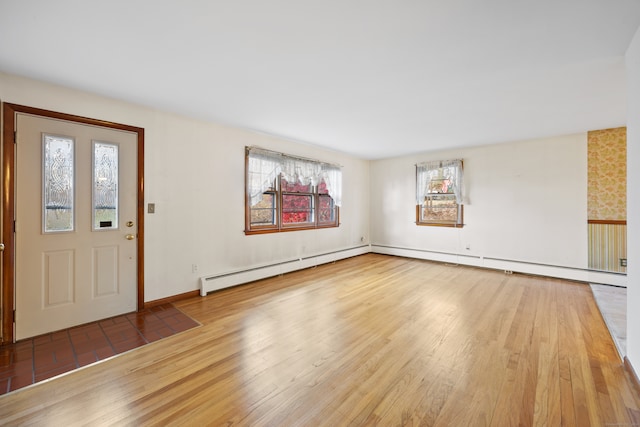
(37, 359)
(371, 340)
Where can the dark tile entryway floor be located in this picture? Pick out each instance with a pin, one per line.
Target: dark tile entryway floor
(36, 359)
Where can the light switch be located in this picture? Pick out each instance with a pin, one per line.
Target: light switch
(151, 208)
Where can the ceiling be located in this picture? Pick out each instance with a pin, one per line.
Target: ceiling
(371, 78)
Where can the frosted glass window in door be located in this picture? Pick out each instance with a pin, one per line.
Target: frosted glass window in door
(105, 186)
(58, 183)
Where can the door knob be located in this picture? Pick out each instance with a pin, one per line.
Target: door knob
(1, 247)
(130, 236)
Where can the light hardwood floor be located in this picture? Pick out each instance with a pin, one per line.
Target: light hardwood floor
(372, 340)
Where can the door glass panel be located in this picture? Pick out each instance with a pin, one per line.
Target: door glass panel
(105, 186)
(58, 183)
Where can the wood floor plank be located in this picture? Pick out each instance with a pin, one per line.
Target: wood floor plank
(371, 340)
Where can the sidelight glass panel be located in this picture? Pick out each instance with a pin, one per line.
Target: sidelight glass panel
(58, 183)
(105, 186)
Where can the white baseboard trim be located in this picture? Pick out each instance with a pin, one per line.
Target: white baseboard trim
(561, 272)
(224, 280)
(232, 278)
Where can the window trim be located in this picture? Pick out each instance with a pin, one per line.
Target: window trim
(279, 225)
(459, 222)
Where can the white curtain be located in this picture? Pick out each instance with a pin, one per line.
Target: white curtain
(301, 171)
(440, 176)
(332, 175)
(264, 166)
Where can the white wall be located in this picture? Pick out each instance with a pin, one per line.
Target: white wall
(526, 202)
(194, 172)
(633, 203)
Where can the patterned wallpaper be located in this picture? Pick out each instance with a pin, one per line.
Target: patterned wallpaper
(607, 163)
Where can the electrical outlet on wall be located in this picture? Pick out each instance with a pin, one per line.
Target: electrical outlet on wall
(623, 262)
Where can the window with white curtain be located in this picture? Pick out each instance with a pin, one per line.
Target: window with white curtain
(285, 193)
(439, 186)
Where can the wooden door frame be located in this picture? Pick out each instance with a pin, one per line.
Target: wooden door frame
(9, 114)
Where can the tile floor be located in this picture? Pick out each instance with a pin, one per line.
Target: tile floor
(612, 302)
(35, 359)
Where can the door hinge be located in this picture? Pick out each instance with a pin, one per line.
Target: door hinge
(15, 136)
(14, 316)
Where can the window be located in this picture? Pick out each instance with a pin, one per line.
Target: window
(439, 193)
(285, 193)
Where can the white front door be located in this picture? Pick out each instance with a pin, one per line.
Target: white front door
(76, 206)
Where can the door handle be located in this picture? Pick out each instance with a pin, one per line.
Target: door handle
(1, 247)
(130, 236)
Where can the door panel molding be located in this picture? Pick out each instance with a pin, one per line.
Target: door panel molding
(9, 114)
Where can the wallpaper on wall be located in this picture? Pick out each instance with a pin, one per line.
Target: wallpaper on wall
(607, 198)
(607, 246)
(607, 163)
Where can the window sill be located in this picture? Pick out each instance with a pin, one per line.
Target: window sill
(436, 224)
(287, 229)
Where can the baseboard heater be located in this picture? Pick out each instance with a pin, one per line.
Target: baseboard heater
(562, 272)
(233, 278)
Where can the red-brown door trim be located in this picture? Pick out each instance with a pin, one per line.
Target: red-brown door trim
(9, 112)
